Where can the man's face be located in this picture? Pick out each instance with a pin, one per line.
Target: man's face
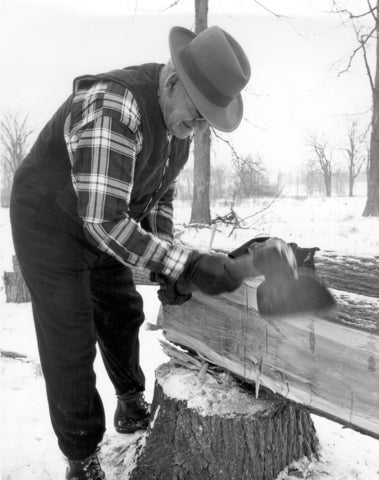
(180, 114)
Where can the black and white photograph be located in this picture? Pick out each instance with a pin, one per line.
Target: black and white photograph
(189, 239)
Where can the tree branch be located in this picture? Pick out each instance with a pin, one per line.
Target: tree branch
(172, 5)
(368, 71)
(345, 11)
(235, 154)
(372, 10)
(363, 39)
(277, 15)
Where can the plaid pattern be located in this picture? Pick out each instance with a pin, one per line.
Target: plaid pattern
(103, 135)
(160, 217)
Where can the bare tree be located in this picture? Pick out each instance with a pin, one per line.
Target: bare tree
(312, 177)
(184, 186)
(323, 155)
(14, 136)
(372, 204)
(354, 152)
(339, 180)
(366, 35)
(201, 212)
(221, 187)
(251, 179)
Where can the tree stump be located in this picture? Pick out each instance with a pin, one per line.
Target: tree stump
(15, 288)
(204, 430)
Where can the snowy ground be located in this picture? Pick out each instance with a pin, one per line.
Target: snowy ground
(29, 449)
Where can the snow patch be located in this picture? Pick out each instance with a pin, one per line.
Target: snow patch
(209, 398)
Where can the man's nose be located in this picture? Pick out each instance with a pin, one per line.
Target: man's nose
(200, 125)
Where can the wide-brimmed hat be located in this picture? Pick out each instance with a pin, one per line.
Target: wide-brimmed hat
(213, 69)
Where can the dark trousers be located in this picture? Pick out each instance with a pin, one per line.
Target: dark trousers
(80, 296)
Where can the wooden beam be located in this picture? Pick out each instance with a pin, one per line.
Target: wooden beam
(329, 364)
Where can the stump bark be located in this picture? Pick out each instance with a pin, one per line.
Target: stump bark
(210, 431)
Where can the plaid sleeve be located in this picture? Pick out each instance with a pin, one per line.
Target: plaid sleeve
(160, 218)
(103, 137)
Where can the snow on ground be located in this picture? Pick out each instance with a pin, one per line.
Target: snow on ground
(334, 223)
(29, 449)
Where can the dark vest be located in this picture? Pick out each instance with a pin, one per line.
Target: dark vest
(49, 153)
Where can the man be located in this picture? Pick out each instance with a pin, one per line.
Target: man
(93, 196)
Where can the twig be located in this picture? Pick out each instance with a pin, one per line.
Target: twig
(277, 15)
(266, 207)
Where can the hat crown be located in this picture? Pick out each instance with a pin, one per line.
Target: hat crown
(213, 69)
(218, 63)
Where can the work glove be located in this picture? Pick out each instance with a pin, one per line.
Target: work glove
(214, 273)
(167, 292)
(304, 256)
(291, 285)
(270, 256)
(211, 273)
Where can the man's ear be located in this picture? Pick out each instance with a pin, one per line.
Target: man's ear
(171, 81)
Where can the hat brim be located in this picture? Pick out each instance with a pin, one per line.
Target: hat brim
(225, 119)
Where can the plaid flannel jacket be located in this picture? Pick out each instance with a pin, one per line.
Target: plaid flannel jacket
(103, 136)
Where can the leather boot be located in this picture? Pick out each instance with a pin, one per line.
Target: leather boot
(87, 469)
(132, 412)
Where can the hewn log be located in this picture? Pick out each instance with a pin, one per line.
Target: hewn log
(330, 367)
(215, 432)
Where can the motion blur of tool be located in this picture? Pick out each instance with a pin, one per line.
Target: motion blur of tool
(291, 285)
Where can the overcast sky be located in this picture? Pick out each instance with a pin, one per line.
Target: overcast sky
(294, 91)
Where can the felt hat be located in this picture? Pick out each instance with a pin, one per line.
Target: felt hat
(213, 69)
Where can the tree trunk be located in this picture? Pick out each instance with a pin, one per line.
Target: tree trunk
(328, 184)
(372, 203)
(204, 430)
(349, 273)
(351, 181)
(200, 204)
(202, 169)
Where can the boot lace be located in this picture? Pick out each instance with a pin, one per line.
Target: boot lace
(136, 398)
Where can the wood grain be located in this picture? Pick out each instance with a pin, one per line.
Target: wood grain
(331, 367)
(355, 274)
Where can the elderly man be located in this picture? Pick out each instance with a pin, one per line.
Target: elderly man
(93, 196)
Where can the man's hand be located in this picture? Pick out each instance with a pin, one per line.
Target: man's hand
(168, 293)
(212, 274)
(291, 285)
(270, 255)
